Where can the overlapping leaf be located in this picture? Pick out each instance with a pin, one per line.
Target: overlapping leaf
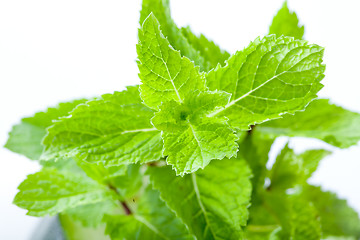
(291, 169)
(286, 23)
(50, 192)
(173, 85)
(164, 74)
(74, 230)
(211, 52)
(255, 151)
(298, 217)
(25, 138)
(91, 215)
(113, 130)
(191, 140)
(161, 9)
(271, 77)
(337, 217)
(322, 120)
(152, 220)
(211, 202)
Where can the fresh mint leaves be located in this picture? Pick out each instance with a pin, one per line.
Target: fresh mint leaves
(184, 155)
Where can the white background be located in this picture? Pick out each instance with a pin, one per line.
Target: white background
(52, 51)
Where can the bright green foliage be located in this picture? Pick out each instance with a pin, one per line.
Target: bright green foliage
(212, 202)
(337, 217)
(305, 220)
(211, 52)
(152, 220)
(51, 192)
(161, 10)
(127, 179)
(25, 138)
(291, 169)
(270, 77)
(192, 140)
(101, 172)
(111, 165)
(114, 130)
(91, 215)
(327, 122)
(130, 183)
(74, 230)
(297, 217)
(286, 23)
(273, 207)
(164, 74)
(254, 147)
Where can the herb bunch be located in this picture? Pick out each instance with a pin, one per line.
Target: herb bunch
(184, 155)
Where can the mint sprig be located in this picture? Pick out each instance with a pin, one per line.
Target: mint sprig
(185, 154)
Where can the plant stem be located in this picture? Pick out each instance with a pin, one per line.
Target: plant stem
(251, 129)
(124, 205)
(126, 208)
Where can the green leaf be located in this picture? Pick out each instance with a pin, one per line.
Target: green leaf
(152, 220)
(211, 202)
(291, 169)
(337, 217)
(192, 140)
(91, 215)
(25, 138)
(322, 120)
(74, 230)
(286, 23)
(161, 9)
(208, 49)
(269, 78)
(62, 164)
(100, 172)
(311, 159)
(50, 192)
(113, 130)
(130, 183)
(255, 151)
(164, 74)
(305, 221)
(297, 216)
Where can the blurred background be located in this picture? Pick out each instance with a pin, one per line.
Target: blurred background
(54, 51)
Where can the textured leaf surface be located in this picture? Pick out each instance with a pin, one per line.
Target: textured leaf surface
(161, 10)
(25, 138)
(212, 53)
(51, 192)
(164, 74)
(286, 23)
(270, 77)
(305, 220)
(337, 217)
(291, 169)
(255, 151)
(100, 172)
(74, 230)
(152, 220)
(91, 215)
(129, 184)
(192, 140)
(322, 120)
(211, 202)
(298, 217)
(114, 130)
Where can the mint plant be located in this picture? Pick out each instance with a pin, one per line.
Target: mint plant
(184, 155)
